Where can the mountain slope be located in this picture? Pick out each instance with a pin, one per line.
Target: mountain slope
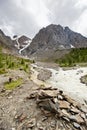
(20, 41)
(53, 39)
(6, 43)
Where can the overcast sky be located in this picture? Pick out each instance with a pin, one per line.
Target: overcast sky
(28, 16)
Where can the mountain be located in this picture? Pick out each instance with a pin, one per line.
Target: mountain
(6, 43)
(20, 41)
(53, 39)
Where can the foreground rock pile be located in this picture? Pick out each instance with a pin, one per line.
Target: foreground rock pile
(53, 102)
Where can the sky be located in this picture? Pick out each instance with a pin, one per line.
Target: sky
(27, 17)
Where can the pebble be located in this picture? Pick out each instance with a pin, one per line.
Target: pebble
(76, 125)
(60, 97)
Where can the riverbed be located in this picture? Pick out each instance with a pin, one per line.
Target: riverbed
(66, 80)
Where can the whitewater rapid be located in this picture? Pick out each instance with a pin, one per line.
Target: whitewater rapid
(69, 81)
(66, 80)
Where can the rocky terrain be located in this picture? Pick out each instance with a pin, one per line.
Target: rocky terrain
(32, 106)
(6, 44)
(14, 45)
(20, 41)
(54, 41)
(42, 96)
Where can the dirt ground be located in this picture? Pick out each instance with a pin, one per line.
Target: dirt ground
(17, 112)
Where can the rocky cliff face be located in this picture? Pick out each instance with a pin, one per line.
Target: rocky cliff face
(6, 43)
(22, 41)
(54, 38)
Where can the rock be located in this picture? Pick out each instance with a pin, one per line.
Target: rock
(60, 97)
(83, 108)
(41, 128)
(86, 115)
(19, 118)
(67, 119)
(83, 115)
(64, 105)
(44, 75)
(53, 124)
(31, 123)
(52, 38)
(42, 94)
(76, 125)
(3, 90)
(74, 110)
(22, 117)
(48, 105)
(55, 102)
(10, 80)
(13, 129)
(60, 92)
(48, 93)
(44, 118)
(32, 95)
(70, 100)
(10, 97)
(65, 113)
(47, 88)
(77, 118)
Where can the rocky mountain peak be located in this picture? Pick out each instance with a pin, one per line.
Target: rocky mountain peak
(1, 32)
(6, 43)
(53, 38)
(55, 35)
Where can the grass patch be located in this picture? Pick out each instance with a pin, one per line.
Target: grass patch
(13, 84)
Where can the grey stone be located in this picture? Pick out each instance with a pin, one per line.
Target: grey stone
(76, 125)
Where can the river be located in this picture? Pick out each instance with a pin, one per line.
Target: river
(66, 80)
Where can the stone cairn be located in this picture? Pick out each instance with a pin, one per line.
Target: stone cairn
(55, 102)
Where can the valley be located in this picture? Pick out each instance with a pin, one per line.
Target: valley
(43, 82)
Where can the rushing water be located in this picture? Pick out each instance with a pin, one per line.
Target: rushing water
(67, 80)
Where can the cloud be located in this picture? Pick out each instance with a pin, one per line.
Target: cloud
(28, 16)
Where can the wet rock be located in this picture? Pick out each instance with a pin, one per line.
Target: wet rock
(44, 75)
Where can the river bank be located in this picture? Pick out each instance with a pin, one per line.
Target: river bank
(66, 80)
